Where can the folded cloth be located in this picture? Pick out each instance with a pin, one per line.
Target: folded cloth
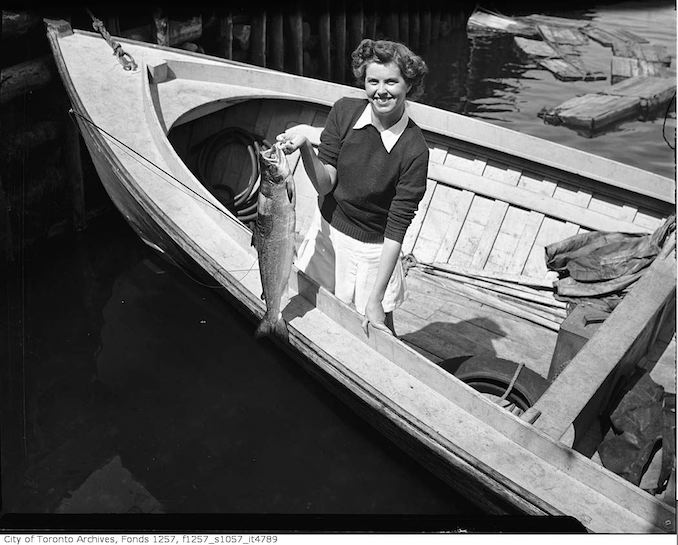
(602, 263)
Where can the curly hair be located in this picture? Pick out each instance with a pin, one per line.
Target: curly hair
(412, 67)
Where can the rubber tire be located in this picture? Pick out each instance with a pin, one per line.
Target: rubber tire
(493, 370)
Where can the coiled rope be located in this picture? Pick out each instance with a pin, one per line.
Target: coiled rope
(244, 204)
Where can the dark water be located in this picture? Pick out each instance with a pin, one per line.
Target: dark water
(130, 366)
(128, 387)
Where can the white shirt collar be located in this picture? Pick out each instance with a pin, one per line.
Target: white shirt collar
(390, 136)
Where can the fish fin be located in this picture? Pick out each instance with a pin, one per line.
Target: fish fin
(270, 328)
(290, 189)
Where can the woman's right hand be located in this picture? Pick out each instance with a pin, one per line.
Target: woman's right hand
(290, 142)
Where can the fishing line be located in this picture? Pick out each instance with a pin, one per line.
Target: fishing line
(668, 109)
(191, 193)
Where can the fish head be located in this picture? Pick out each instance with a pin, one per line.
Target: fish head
(274, 166)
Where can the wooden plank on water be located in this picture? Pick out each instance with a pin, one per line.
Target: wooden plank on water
(535, 48)
(561, 34)
(572, 194)
(593, 111)
(483, 21)
(537, 18)
(652, 91)
(624, 67)
(562, 69)
(643, 52)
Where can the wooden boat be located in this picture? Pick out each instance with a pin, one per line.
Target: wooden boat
(494, 199)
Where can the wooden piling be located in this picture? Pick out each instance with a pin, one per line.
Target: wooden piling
(258, 39)
(425, 28)
(325, 42)
(405, 26)
(276, 51)
(435, 24)
(415, 29)
(225, 36)
(339, 28)
(24, 77)
(355, 24)
(296, 28)
(393, 26)
(161, 24)
(18, 23)
(370, 20)
(184, 31)
(113, 25)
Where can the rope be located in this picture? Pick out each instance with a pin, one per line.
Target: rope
(513, 381)
(244, 204)
(124, 58)
(191, 191)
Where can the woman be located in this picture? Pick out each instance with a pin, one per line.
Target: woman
(370, 174)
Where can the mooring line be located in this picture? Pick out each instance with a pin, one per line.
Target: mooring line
(192, 193)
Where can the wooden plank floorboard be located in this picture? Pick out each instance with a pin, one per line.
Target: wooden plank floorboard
(450, 325)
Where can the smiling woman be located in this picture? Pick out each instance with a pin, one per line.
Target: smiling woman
(370, 174)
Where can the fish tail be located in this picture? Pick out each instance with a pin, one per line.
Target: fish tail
(272, 328)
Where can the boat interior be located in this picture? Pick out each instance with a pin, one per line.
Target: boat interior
(481, 301)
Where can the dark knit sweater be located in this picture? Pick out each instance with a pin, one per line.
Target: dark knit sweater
(377, 192)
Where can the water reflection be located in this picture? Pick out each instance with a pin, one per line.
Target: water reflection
(146, 392)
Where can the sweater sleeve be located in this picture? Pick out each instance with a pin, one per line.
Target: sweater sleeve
(410, 190)
(330, 139)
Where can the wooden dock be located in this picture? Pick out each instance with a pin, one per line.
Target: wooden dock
(639, 96)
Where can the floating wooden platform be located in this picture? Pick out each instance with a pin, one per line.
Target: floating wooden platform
(637, 96)
(561, 59)
(633, 55)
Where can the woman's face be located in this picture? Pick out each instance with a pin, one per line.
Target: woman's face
(386, 90)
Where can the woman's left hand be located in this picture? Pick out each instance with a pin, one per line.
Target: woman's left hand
(375, 315)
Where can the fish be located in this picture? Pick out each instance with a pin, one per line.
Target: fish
(273, 237)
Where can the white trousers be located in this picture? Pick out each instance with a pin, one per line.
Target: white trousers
(346, 266)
